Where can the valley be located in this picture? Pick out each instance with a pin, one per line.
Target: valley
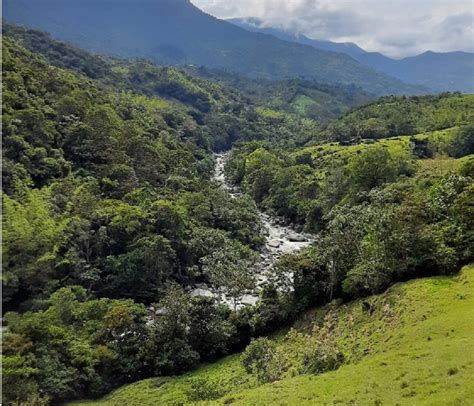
(193, 213)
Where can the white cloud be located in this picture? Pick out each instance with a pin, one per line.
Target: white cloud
(394, 27)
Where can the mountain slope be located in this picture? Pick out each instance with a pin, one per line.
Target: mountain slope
(176, 32)
(414, 347)
(301, 97)
(451, 71)
(393, 116)
(440, 71)
(304, 98)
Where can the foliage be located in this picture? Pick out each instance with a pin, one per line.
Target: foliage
(212, 114)
(201, 389)
(31, 237)
(381, 213)
(262, 358)
(323, 353)
(230, 268)
(107, 200)
(74, 346)
(313, 353)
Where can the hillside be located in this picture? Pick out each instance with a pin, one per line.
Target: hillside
(413, 347)
(450, 71)
(439, 71)
(304, 98)
(147, 29)
(109, 207)
(392, 116)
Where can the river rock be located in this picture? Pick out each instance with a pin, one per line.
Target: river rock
(249, 300)
(281, 236)
(294, 237)
(202, 292)
(274, 243)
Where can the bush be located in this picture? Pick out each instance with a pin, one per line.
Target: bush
(264, 359)
(202, 389)
(322, 353)
(323, 357)
(463, 142)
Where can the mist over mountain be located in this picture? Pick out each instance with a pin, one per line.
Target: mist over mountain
(177, 32)
(451, 71)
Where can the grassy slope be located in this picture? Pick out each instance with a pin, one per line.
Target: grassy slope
(327, 153)
(425, 358)
(416, 348)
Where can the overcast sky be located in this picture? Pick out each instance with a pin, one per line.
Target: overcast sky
(396, 28)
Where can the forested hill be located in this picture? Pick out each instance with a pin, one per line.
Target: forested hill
(176, 32)
(306, 98)
(298, 97)
(107, 206)
(395, 342)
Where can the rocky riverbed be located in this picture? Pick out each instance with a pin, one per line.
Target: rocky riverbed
(281, 238)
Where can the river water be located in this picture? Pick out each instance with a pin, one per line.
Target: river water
(280, 239)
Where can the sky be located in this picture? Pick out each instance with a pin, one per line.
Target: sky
(397, 28)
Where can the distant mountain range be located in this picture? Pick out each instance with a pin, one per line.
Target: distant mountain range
(177, 32)
(452, 71)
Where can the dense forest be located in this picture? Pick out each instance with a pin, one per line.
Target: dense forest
(390, 116)
(110, 212)
(305, 98)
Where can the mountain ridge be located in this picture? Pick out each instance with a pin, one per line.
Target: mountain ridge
(147, 29)
(439, 71)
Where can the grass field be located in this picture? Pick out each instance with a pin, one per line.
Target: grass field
(416, 347)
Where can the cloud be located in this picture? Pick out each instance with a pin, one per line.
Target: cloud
(397, 28)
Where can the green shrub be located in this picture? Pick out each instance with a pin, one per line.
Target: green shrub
(202, 389)
(265, 359)
(324, 356)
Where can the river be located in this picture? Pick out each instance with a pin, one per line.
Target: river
(280, 239)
